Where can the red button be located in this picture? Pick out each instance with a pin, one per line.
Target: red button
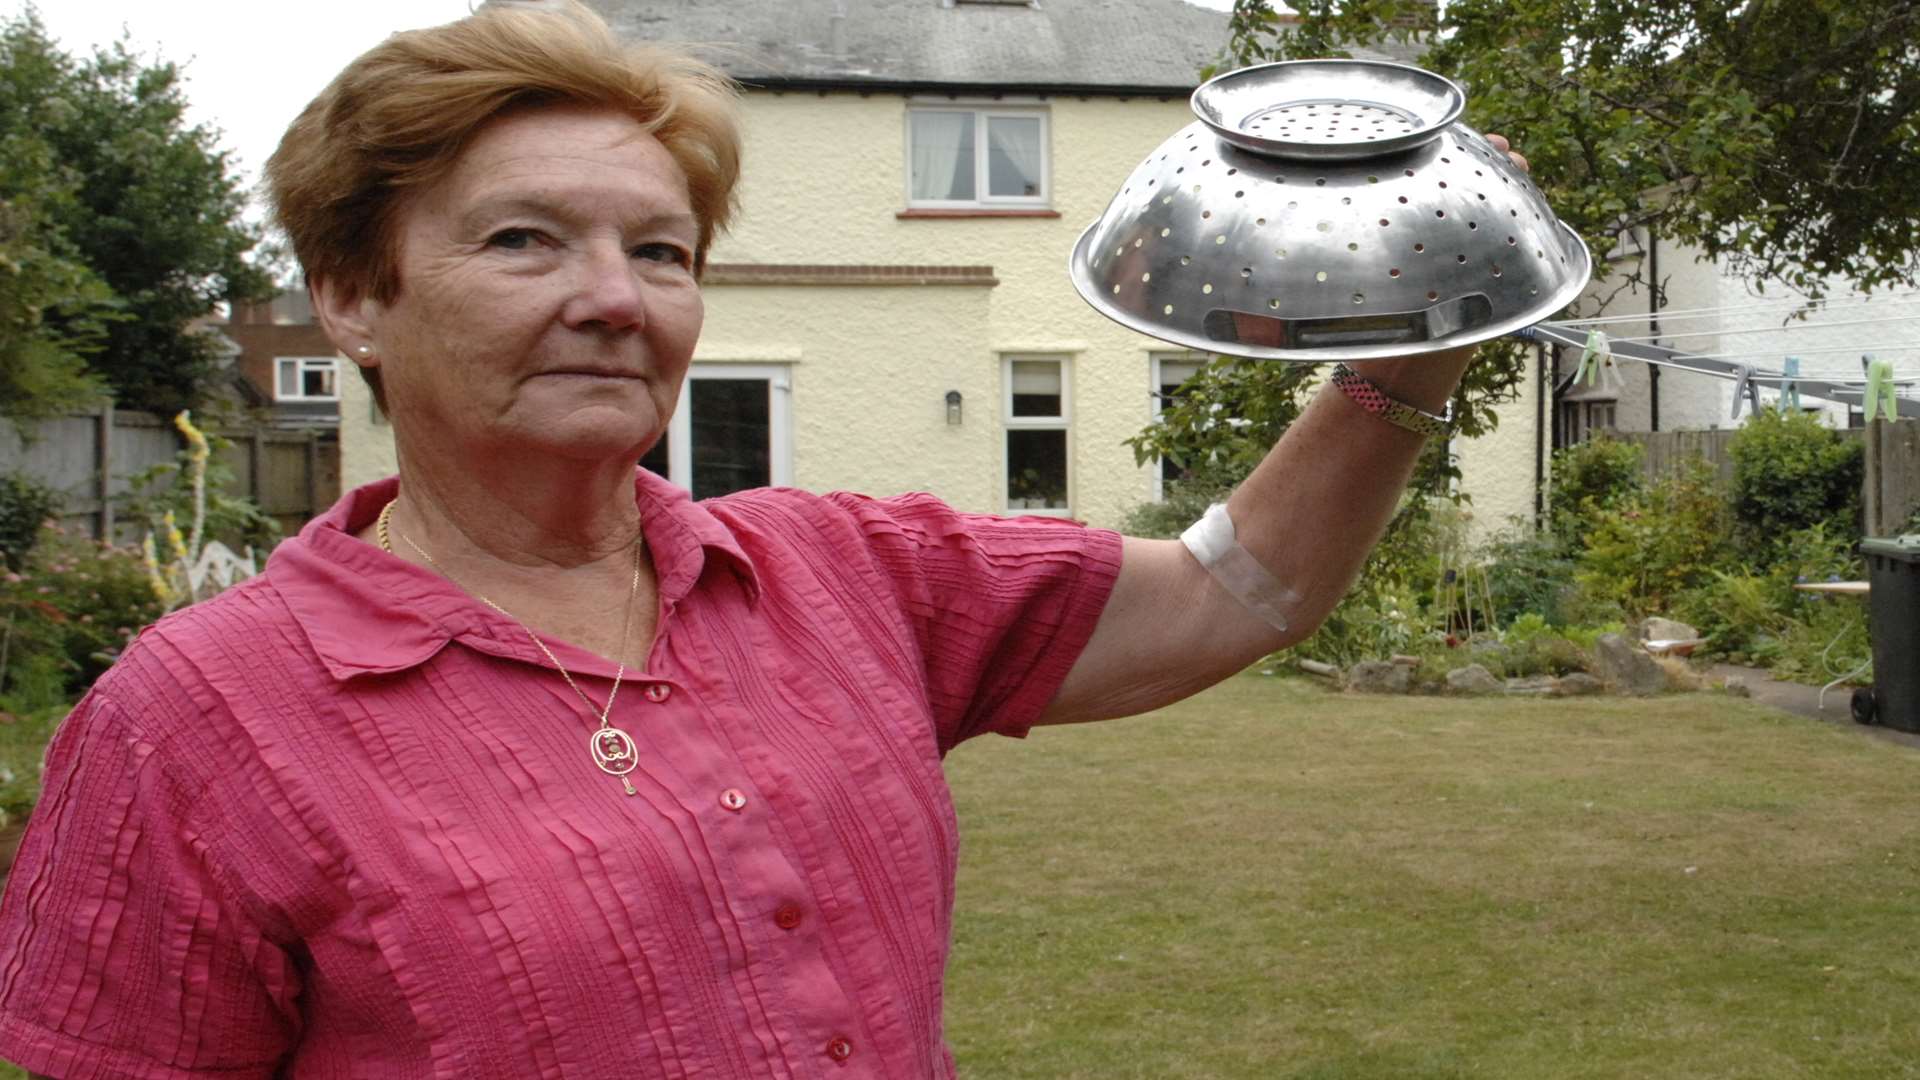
(734, 799)
(839, 1049)
(658, 692)
(787, 917)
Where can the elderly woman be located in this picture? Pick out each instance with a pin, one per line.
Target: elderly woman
(524, 764)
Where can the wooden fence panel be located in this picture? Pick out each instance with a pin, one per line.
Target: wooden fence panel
(293, 475)
(1667, 451)
(59, 454)
(1891, 491)
(1893, 480)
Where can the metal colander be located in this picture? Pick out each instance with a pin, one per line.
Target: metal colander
(1328, 210)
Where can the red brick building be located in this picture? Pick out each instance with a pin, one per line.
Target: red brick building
(287, 362)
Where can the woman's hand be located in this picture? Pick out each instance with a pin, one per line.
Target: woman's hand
(1500, 143)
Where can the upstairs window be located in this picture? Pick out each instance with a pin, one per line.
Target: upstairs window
(306, 378)
(987, 158)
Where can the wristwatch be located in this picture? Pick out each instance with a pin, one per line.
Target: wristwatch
(1375, 400)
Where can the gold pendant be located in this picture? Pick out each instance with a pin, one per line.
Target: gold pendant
(615, 753)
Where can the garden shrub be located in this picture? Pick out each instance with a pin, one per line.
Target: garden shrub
(1754, 614)
(1643, 553)
(65, 615)
(1790, 472)
(1829, 640)
(1592, 476)
(1733, 611)
(24, 504)
(23, 743)
(1529, 572)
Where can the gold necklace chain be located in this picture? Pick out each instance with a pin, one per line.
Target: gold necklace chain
(613, 750)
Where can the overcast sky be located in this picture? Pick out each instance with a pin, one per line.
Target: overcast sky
(251, 65)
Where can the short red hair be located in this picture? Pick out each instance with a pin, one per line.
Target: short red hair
(397, 118)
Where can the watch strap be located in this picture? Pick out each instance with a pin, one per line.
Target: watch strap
(1376, 401)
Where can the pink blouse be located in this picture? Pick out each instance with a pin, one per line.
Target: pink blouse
(343, 821)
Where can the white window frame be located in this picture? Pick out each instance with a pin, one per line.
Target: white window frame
(1062, 422)
(303, 364)
(982, 200)
(1199, 361)
(779, 379)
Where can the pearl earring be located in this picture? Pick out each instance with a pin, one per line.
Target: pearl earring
(364, 350)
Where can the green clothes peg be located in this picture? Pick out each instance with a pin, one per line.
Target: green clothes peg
(1880, 397)
(1596, 348)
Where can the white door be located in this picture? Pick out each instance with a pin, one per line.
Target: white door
(733, 430)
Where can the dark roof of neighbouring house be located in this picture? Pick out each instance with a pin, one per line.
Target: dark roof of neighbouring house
(1084, 46)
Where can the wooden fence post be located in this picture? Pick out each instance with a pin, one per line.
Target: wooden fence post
(253, 464)
(313, 474)
(1870, 502)
(103, 471)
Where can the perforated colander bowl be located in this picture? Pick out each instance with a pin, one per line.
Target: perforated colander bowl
(1328, 210)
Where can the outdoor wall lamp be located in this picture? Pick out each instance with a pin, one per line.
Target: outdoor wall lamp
(953, 408)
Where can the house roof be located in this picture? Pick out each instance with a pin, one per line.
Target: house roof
(1085, 46)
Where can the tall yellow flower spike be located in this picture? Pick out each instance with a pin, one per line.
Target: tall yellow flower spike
(196, 439)
(155, 579)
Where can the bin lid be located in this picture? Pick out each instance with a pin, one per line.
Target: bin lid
(1905, 548)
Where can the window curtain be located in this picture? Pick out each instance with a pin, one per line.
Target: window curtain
(942, 155)
(1013, 143)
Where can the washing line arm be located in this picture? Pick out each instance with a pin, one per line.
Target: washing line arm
(1661, 356)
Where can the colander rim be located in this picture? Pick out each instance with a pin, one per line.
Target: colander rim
(1208, 112)
(1080, 272)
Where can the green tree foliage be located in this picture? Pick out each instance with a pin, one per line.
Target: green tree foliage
(51, 309)
(1782, 137)
(51, 305)
(1790, 473)
(129, 208)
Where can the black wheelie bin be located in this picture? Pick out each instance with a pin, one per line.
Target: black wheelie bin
(1893, 621)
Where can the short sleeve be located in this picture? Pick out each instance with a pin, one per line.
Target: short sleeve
(1001, 607)
(120, 955)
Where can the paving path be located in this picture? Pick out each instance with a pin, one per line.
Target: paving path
(1804, 700)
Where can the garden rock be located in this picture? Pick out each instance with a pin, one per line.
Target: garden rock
(1737, 686)
(1531, 686)
(1379, 677)
(1579, 684)
(1658, 629)
(1490, 651)
(1472, 679)
(1316, 667)
(1627, 667)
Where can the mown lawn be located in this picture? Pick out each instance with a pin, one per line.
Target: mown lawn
(1274, 881)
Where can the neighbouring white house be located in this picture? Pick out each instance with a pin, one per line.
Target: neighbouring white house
(1702, 308)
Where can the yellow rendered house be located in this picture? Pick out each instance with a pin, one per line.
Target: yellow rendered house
(892, 310)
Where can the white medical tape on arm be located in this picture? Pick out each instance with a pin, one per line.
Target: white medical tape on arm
(1212, 542)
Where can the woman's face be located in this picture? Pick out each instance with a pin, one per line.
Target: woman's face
(547, 302)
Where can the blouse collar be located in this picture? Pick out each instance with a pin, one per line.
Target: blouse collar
(367, 611)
